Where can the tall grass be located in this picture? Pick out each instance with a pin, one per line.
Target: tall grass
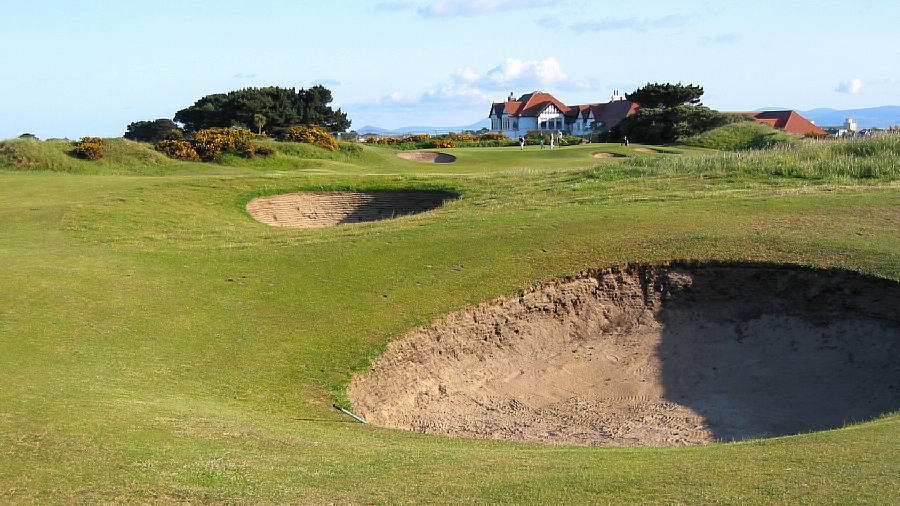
(830, 161)
(740, 136)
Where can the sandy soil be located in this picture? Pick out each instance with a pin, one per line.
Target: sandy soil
(427, 156)
(650, 356)
(607, 155)
(324, 209)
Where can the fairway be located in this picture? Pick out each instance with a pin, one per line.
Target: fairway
(158, 344)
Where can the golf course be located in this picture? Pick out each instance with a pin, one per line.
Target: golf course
(171, 333)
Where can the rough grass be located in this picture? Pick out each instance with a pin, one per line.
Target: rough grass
(157, 345)
(740, 136)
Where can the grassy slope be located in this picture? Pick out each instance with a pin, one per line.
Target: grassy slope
(157, 344)
(743, 135)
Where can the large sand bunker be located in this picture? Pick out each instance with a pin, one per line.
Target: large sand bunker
(650, 356)
(427, 156)
(324, 209)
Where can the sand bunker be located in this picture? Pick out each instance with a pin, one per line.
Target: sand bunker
(654, 151)
(325, 209)
(650, 356)
(427, 156)
(604, 154)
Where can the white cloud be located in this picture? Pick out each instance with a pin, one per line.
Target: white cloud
(449, 8)
(524, 72)
(853, 86)
(467, 93)
(633, 23)
(519, 74)
(467, 74)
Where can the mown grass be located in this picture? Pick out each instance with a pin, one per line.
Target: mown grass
(158, 345)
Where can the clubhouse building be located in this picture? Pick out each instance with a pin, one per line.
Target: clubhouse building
(542, 111)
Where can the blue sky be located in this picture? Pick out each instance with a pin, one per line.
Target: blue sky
(69, 69)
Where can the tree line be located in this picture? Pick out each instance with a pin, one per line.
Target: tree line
(273, 108)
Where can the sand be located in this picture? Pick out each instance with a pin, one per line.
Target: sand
(325, 209)
(607, 155)
(427, 156)
(650, 356)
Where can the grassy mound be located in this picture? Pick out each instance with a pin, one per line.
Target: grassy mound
(740, 136)
(119, 156)
(122, 156)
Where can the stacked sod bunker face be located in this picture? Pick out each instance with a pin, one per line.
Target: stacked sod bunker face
(650, 355)
(325, 209)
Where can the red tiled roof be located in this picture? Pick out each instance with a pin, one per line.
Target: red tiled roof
(610, 114)
(533, 104)
(789, 121)
(529, 104)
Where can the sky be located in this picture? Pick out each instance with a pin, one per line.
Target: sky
(75, 68)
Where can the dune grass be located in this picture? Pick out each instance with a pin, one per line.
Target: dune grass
(158, 345)
(740, 136)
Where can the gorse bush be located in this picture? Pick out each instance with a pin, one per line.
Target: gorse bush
(462, 140)
(310, 134)
(179, 150)
(212, 143)
(89, 148)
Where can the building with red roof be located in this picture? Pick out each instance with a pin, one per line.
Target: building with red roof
(542, 111)
(789, 121)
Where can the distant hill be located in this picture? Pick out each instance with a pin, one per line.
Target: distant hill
(878, 117)
(369, 129)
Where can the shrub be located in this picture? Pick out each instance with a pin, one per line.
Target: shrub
(212, 143)
(151, 131)
(179, 150)
(444, 143)
(310, 134)
(89, 148)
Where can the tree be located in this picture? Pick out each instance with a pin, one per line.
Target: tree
(259, 120)
(667, 112)
(282, 107)
(151, 131)
(665, 125)
(666, 95)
